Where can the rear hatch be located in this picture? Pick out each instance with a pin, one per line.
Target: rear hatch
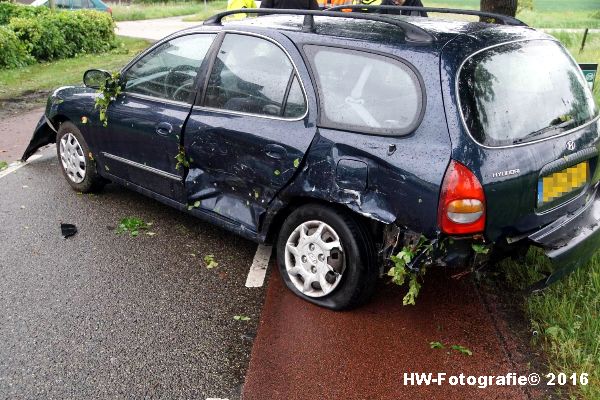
(527, 126)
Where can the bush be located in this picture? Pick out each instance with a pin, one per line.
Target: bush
(9, 10)
(52, 35)
(13, 53)
(42, 39)
(85, 31)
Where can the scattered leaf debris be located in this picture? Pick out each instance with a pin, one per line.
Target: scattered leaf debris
(210, 262)
(133, 225)
(462, 350)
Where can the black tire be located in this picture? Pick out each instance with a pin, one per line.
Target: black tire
(91, 180)
(358, 280)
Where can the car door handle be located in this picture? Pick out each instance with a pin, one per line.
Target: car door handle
(164, 128)
(275, 151)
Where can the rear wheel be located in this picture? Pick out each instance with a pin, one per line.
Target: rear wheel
(76, 162)
(325, 257)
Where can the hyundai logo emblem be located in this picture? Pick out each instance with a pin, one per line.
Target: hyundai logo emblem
(570, 145)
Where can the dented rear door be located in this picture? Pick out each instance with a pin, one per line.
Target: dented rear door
(248, 133)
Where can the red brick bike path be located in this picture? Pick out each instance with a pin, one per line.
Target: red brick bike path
(305, 352)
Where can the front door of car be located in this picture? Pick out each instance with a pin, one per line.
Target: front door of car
(249, 130)
(145, 123)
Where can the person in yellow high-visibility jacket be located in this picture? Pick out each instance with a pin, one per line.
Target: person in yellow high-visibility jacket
(411, 3)
(333, 3)
(237, 4)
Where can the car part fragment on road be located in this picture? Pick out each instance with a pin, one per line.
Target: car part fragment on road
(68, 230)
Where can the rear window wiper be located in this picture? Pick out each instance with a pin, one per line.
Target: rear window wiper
(540, 132)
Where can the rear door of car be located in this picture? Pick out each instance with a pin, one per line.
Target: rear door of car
(250, 127)
(145, 123)
(524, 121)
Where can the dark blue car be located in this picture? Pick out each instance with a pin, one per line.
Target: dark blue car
(343, 137)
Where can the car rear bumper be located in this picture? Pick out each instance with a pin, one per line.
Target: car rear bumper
(571, 241)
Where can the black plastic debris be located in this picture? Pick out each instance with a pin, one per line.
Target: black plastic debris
(68, 230)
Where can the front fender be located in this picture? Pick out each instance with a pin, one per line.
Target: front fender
(59, 103)
(43, 134)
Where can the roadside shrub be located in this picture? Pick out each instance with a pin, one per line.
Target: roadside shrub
(10, 10)
(85, 31)
(13, 53)
(53, 35)
(42, 39)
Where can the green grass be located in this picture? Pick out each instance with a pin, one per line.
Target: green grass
(214, 7)
(541, 5)
(162, 10)
(590, 54)
(546, 13)
(46, 76)
(566, 317)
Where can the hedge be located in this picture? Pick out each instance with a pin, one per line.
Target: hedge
(13, 53)
(51, 35)
(10, 10)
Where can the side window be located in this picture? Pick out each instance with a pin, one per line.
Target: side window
(366, 92)
(62, 4)
(169, 71)
(249, 75)
(295, 105)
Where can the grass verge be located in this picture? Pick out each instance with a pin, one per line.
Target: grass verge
(46, 76)
(590, 54)
(213, 8)
(136, 12)
(546, 13)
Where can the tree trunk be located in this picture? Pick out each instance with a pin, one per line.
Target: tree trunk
(504, 7)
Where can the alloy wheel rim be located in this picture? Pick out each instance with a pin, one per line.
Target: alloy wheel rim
(314, 258)
(72, 158)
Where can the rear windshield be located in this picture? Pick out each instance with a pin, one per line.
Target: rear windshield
(521, 92)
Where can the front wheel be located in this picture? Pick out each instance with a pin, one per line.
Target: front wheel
(326, 257)
(75, 159)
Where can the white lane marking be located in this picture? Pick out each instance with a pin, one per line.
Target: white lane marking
(18, 164)
(258, 270)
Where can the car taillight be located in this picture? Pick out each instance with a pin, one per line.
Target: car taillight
(462, 202)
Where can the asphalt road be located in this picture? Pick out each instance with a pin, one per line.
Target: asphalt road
(103, 315)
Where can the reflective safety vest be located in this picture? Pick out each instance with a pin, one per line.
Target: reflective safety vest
(369, 2)
(335, 3)
(237, 4)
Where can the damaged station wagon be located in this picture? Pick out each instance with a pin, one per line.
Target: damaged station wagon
(342, 137)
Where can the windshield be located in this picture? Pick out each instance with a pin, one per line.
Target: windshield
(523, 91)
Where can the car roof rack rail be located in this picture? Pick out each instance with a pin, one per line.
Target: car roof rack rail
(412, 32)
(504, 19)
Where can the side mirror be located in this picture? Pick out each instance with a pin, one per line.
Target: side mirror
(94, 78)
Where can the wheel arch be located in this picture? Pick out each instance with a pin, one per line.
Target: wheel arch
(274, 221)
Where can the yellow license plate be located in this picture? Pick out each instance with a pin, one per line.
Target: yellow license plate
(563, 182)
